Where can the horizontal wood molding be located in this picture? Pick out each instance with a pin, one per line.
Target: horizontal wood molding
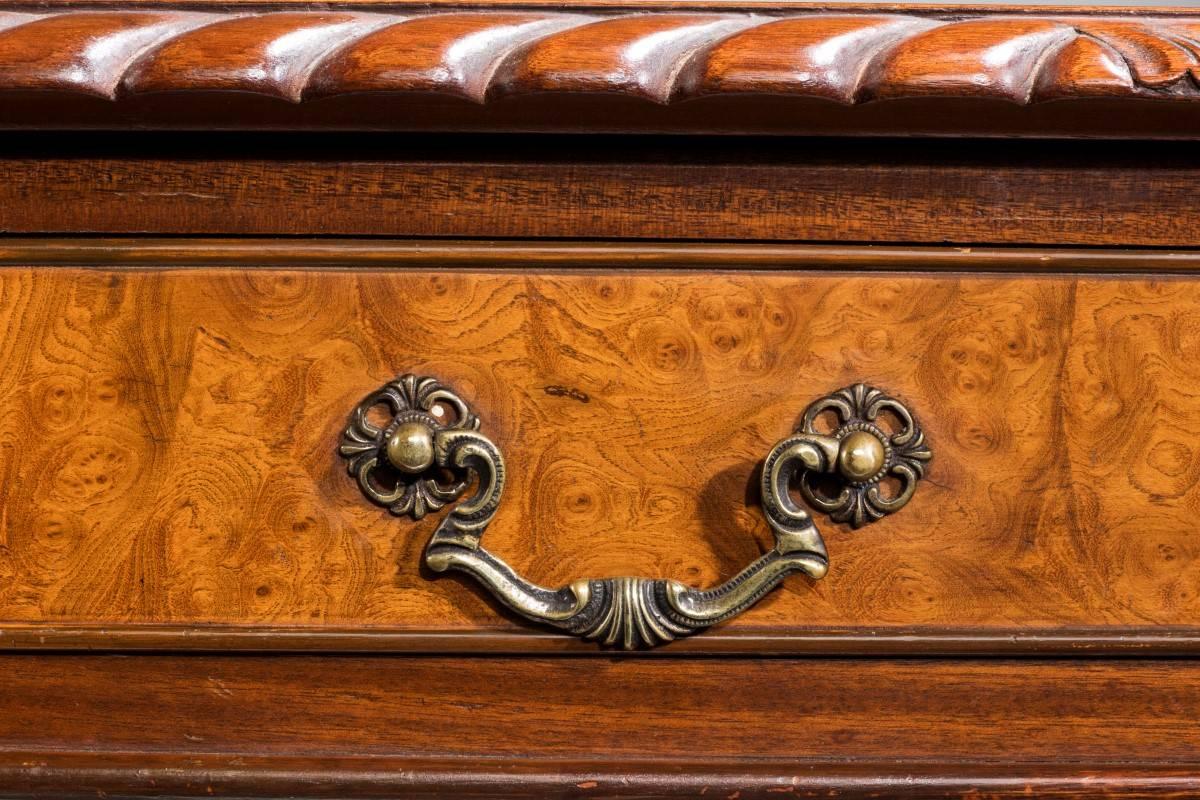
(1085, 194)
(581, 68)
(356, 726)
(55, 774)
(142, 253)
(880, 642)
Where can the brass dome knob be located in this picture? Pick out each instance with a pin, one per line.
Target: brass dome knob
(410, 447)
(860, 456)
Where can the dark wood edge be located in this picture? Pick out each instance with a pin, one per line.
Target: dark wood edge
(141, 66)
(141, 253)
(78, 774)
(818, 642)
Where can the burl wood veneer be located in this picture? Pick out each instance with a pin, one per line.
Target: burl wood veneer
(170, 441)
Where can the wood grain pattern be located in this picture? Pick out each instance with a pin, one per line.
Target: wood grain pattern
(338, 727)
(1097, 194)
(421, 60)
(646, 714)
(168, 440)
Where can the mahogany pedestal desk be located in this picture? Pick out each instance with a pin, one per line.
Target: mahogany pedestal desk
(626, 398)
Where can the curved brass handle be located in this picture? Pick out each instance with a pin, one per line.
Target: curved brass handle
(419, 461)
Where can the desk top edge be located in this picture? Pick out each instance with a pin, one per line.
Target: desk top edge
(704, 68)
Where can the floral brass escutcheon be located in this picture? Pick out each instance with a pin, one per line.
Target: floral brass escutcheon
(395, 465)
(868, 455)
(421, 460)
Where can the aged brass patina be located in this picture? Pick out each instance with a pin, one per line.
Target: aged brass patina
(860, 455)
(410, 447)
(416, 452)
(396, 465)
(867, 455)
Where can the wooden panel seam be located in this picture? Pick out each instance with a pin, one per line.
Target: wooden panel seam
(808, 642)
(56, 773)
(326, 253)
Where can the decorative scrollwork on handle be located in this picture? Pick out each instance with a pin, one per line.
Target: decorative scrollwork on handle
(417, 449)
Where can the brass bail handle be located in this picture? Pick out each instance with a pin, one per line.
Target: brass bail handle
(422, 458)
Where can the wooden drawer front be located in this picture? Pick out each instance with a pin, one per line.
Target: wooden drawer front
(487, 728)
(168, 446)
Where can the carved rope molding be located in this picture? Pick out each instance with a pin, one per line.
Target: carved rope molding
(663, 58)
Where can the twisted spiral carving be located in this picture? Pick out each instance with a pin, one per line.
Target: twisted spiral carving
(663, 58)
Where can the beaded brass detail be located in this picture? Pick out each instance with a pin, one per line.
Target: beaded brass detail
(394, 464)
(867, 454)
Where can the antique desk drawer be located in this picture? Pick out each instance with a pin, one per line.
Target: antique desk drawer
(171, 448)
(616, 398)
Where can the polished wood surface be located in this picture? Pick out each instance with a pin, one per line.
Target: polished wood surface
(614, 71)
(169, 442)
(339, 727)
(1093, 194)
(480, 55)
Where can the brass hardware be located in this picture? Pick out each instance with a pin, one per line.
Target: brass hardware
(410, 447)
(396, 465)
(860, 456)
(867, 454)
(420, 462)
